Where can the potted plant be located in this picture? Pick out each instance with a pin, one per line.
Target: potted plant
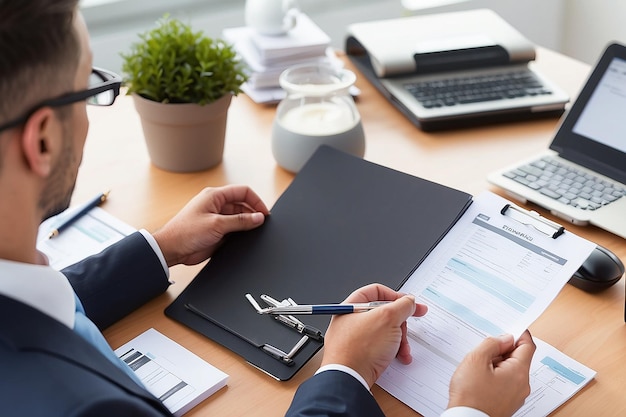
(182, 83)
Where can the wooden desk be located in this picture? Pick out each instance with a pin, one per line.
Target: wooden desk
(588, 327)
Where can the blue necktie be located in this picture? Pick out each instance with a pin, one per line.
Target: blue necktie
(88, 331)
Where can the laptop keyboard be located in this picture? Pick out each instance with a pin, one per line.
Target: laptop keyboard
(476, 89)
(566, 184)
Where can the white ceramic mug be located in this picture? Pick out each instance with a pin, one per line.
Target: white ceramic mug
(271, 17)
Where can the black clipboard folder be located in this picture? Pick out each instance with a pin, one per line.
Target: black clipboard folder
(342, 223)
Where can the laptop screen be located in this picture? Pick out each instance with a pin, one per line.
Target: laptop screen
(593, 133)
(602, 118)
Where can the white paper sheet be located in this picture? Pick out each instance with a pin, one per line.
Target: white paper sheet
(87, 236)
(490, 275)
(176, 376)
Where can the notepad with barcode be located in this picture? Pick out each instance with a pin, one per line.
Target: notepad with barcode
(178, 377)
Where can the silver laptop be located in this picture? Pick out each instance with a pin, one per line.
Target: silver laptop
(451, 69)
(582, 177)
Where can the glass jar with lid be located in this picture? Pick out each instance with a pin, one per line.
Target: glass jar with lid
(317, 110)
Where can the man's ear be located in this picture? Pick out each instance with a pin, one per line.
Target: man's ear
(37, 141)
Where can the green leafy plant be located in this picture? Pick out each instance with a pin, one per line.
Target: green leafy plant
(174, 64)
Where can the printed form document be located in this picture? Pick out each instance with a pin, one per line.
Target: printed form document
(89, 235)
(492, 274)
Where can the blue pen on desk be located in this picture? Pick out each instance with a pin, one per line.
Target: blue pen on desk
(323, 308)
(94, 202)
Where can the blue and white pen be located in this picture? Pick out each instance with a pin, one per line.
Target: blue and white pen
(323, 308)
(94, 202)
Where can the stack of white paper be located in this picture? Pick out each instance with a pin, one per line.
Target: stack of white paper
(266, 57)
(173, 374)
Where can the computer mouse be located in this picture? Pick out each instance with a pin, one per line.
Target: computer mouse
(599, 271)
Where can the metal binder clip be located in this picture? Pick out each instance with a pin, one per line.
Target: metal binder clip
(308, 332)
(288, 320)
(287, 358)
(533, 219)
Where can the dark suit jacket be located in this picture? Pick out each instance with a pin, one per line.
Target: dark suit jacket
(49, 370)
(333, 394)
(118, 280)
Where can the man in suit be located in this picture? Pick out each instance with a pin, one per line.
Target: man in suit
(53, 357)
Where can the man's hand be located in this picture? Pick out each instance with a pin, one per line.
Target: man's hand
(494, 377)
(197, 230)
(368, 342)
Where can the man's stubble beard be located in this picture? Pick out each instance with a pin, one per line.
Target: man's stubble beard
(57, 194)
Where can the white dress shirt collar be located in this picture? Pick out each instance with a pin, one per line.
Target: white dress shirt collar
(40, 287)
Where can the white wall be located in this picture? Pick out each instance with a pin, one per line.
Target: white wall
(579, 28)
(591, 25)
(115, 24)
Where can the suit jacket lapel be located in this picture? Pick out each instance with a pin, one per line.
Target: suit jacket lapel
(35, 331)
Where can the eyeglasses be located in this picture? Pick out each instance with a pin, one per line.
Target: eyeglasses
(104, 87)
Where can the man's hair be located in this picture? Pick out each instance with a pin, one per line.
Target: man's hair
(39, 53)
